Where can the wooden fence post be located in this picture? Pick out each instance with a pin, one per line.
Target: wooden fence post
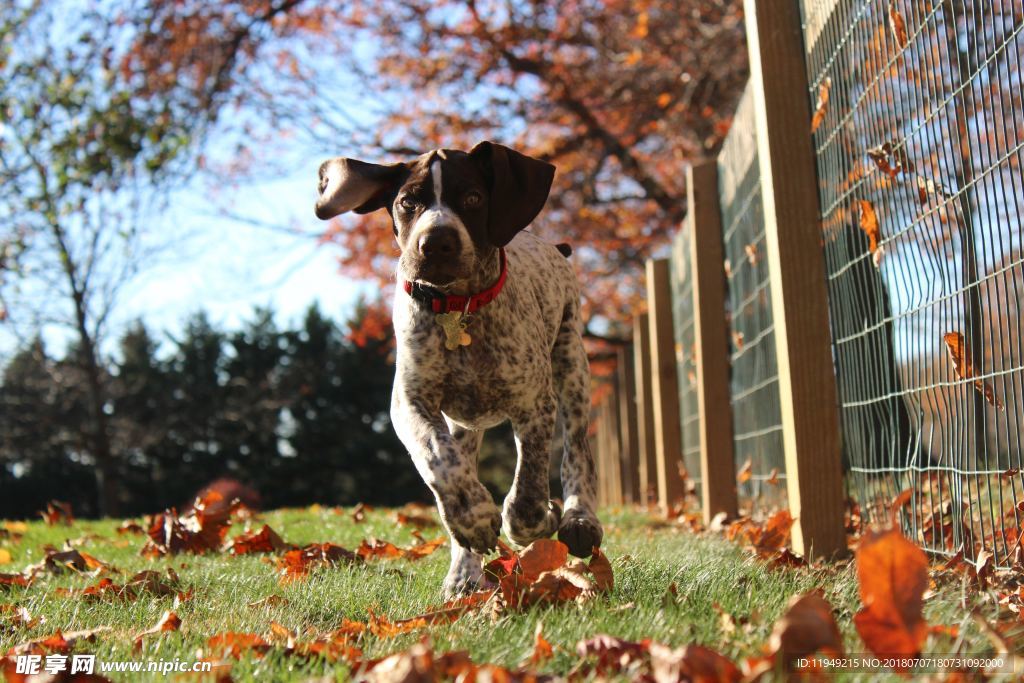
(646, 449)
(664, 384)
(704, 222)
(807, 391)
(631, 490)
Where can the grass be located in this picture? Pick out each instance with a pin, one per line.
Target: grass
(712, 577)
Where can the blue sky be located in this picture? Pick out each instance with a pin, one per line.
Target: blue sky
(228, 268)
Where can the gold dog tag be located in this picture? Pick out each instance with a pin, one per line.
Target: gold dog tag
(454, 327)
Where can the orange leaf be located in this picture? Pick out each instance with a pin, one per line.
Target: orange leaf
(691, 663)
(234, 644)
(542, 649)
(170, 621)
(542, 556)
(808, 626)
(745, 472)
(893, 576)
(822, 105)
(869, 224)
(266, 540)
(890, 159)
(897, 25)
(775, 532)
(963, 365)
(898, 503)
(601, 568)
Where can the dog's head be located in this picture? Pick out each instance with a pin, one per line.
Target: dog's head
(451, 210)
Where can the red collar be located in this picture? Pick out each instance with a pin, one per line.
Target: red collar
(439, 302)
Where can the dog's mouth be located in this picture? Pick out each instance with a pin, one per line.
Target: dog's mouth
(446, 277)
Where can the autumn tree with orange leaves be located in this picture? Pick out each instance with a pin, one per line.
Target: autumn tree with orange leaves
(619, 94)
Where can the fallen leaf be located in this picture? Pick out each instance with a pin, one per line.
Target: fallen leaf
(898, 503)
(270, 601)
(601, 568)
(235, 644)
(808, 626)
(59, 642)
(57, 512)
(773, 477)
(869, 224)
(893, 576)
(897, 25)
(963, 365)
(745, 472)
(822, 106)
(266, 540)
(168, 622)
(751, 251)
(890, 159)
(419, 521)
(359, 513)
(5, 556)
(691, 663)
(296, 564)
(775, 532)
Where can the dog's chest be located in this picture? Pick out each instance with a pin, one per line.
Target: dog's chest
(498, 373)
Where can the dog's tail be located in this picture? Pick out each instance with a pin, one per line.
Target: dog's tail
(564, 249)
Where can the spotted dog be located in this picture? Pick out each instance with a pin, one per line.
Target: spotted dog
(487, 324)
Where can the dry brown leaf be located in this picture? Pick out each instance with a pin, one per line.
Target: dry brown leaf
(821, 107)
(869, 224)
(901, 500)
(542, 650)
(419, 521)
(745, 472)
(296, 564)
(808, 626)
(266, 540)
(57, 512)
(168, 622)
(897, 25)
(751, 251)
(691, 663)
(232, 644)
(890, 159)
(775, 532)
(893, 576)
(963, 365)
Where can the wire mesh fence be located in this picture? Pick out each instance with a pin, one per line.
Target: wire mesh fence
(757, 430)
(919, 145)
(686, 350)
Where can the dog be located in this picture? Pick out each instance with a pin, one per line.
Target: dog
(487, 328)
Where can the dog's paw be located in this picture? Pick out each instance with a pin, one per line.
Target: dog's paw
(464, 576)
(477, 529)
(525, 522)
(581, 531)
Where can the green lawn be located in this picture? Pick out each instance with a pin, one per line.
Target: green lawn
(712, 576)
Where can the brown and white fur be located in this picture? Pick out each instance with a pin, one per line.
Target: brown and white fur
(452, 211)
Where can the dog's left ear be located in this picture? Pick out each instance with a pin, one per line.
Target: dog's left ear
(519, 187)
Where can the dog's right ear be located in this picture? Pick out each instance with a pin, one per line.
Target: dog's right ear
(353, 185)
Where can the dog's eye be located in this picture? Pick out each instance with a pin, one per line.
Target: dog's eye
(407, 203)
(472, 200)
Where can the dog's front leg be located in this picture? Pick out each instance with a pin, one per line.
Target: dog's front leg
(448, 467)
(528, 512)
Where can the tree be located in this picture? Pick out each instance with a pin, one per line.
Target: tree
(79, 156)
(619, 94)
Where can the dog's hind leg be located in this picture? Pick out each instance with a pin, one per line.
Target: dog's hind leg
(580, 528)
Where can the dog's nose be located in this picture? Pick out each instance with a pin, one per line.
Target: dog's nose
(439, 241)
